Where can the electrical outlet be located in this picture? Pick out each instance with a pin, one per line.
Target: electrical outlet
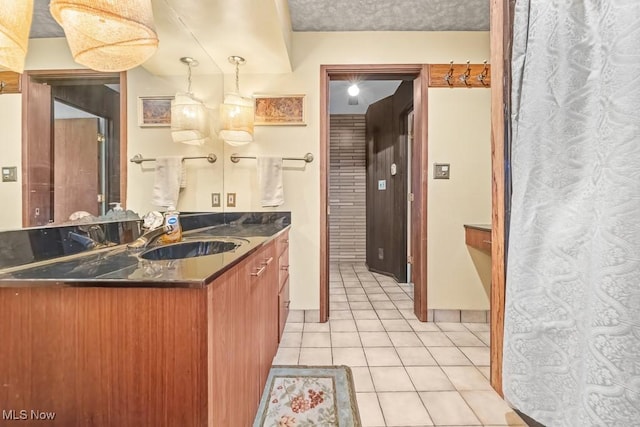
(382, 184)
(231, 200)
(215, 200)
(381, 253)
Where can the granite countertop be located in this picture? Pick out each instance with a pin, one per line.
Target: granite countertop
(120, 266)
(482, 227)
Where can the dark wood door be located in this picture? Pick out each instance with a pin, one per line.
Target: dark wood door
(387, 146)
(76, 167)
(37, 184)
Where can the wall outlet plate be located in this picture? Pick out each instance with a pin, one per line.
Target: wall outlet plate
(215, 200)
(231, 200)
(382, 184)
(9, 173)
(441, 170)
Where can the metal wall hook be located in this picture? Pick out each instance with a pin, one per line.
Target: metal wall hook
(483, 75)
(449, 76)
(464, 77)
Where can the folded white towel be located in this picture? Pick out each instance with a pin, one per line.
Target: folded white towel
(270, 181)
(168, 177)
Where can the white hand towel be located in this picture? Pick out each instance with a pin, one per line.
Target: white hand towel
(270, 181)
(166, 186)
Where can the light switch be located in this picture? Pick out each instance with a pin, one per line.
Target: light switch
(382, 184)
(441, 170)
(9, 173)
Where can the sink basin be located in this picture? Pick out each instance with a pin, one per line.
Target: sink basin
(190, 249)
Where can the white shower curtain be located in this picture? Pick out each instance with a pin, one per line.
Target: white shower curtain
(572, 320)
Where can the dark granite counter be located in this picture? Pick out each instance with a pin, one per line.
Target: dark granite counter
(120, 266)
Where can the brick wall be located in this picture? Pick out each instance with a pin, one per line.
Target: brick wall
(347, 186)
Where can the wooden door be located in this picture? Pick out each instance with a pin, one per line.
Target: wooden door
(37, 185)
(387, 146)
(76, 167)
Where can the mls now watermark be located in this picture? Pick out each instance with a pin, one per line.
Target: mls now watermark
(23, 414)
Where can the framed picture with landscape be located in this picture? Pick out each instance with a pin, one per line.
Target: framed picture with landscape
(154, 111)
(279, 110)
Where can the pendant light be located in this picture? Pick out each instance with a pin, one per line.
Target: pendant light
(189, 116)
(15, 23)
(107, 35)
(236, 114)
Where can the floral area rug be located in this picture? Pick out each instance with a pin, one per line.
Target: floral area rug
(308, 396)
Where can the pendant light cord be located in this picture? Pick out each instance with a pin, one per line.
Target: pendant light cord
(189, 78)
(237, 77)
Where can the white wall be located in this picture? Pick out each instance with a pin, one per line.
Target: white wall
(310, 50)
(11, 155)
(458, 276)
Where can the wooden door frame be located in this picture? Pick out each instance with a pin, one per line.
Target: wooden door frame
(500, 40)
(68, 75)
(419, 177)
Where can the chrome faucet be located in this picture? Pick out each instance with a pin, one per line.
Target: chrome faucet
(150, 237)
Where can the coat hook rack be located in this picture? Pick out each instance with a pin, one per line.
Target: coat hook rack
(449, 76)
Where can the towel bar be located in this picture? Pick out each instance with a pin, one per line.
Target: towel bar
(308, 158)
(211, 158)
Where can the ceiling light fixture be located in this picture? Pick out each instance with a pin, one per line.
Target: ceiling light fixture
(236, 114)
(189, 116)
(107, 35)
(353, 90)
(15, 22)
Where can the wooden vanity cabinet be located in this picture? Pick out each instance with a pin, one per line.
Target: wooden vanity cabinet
(282, 245)
(144, 356)
(244, 336)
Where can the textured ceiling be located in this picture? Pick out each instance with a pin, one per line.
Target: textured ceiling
(386, 15)
(43, 24)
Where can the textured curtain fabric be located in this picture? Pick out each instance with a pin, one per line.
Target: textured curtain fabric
(572, 321)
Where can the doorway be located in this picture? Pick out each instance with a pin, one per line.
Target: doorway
(418, 75)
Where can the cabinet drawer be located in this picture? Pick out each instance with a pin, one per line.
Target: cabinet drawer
(283, 268)
(282, 243)
(283, 307)
(479, 239)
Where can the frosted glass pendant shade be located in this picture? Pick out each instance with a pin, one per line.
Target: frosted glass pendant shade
(15, 23)
(189, 120)
(236, 120)
(107, 35)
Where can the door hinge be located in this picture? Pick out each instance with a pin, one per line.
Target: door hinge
(410, 259)
(100, 137)
(100, 198)
(411, 197)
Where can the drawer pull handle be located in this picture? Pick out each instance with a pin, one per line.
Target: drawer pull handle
(286, 241)
(487, 242)
(267, 261)
(285, 268)
(259, 271)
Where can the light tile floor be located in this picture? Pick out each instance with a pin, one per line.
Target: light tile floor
(406, 373)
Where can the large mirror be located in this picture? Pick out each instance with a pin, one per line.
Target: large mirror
(71, 135)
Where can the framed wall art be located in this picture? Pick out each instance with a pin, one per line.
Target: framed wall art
(279, 110)
(154, 111)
